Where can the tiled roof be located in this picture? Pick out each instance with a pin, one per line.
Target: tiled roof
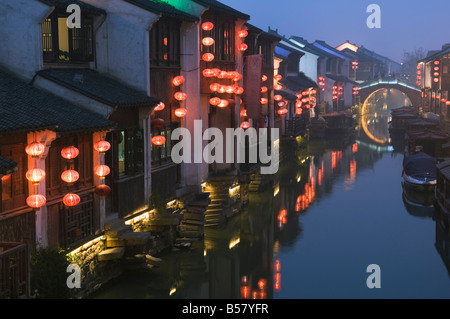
(163, 9)
(99, 87)
(299, 82)
(85, 7)
(218, 6)
(6, 165)
(24, 108)
(340, 78)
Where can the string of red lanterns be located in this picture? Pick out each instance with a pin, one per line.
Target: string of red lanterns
(35, 175)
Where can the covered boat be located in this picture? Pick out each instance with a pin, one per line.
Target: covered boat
(419, 172)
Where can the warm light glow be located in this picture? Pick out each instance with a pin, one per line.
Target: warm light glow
(245, 125)
(36, 201)
(103, 170)
(180, 112)
(180, 96)
(243, 113)
(263, 89)
(158, 140)
(281, 103)
(160, 107)
(102, 146)
(214, 101)
(277, 97)
(172, 291)
(70, 176)
(70, 152)
(71, 199)
(278, 87)
(208, 57)
(239, 90)
(234, 242)
(214, 87)
(355, 147)
(243, 33)
(222, 75)
(208, 41)
(264, 100)
(35, 175)
(102, 190)
(178, 80)
(208, 73)
(35, 149)
(243, 47)
(207, 26)
(264, 78)
(230, 89)
(223, 103)
(278, 77)
(282, 111)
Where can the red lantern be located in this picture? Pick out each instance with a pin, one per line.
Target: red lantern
(222, 89)
(35, 175)
(215, 71)
(436, 62)
(208, 41)
(243, 33)
(264, 78)
(281, 103)
(214, 101)
(263, 89)
(178, 80)
(214, 87)
(35, 149)
(102, 190)
(207, 26)
(278, 87)
(180, 96)
(103, 170)
(70, 152)
(243, 47)
(237, 76)
(245, 125)
(230, 89)
(239, 90)
(208, 57)
(264, 100)
(180, 112)
(157, 123)
(102, 146)
(282, 111)
(208, 73)
(436, 80)
(36, 201)
(243, 113)
(418, 83)
(278, 77)
(299, 111)
(277, 97)
(160, 106)
(158, 140)
(222, 75)
(71, 199)
(223, 103)
(70, 176)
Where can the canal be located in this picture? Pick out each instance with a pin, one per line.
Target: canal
(336, 207)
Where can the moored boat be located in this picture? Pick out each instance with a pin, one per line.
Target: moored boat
(419, 172)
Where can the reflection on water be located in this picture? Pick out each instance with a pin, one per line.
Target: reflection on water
(336, 207)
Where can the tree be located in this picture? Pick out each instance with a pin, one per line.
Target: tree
(409, 62)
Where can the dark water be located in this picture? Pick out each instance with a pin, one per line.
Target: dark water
(336, 208)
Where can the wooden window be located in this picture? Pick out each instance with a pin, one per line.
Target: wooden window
(15, 186)
(223, 34)
(61, 44)
(127, 156)
(165, 43)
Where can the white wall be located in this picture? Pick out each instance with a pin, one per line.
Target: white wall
(20, 34)
(308, 65)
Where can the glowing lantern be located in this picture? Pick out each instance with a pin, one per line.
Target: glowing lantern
(243, 113)
(243, 47)
(71, 199)
(443, 100)
(223, 103)
(277, 97)
(158, 140)
(70, 176)
(178, 80)
(208, 41)
(281, 103)
(418, 83)
(262, 283)
(222, 75)
(264, 100)
(278, 87)
(436, 80)
(214, 101)
(222, 89)
(180, 112)
(215, 71)
(103, 170)
(208, 57)
(36, 201)
(160, 106)
(436, 62)
(436, 68)
(264, 78)
(243, 33)
(237, 76)
(207, 26)
(230, 89)
(263, 89)
(245, 125)
(299, 111)
(282, 111)
(214, 87)
(157, 123)
(239, 90)
(436, 73)
(35, 149)
(208, 73)
(102, 190)
(35, 175)
(102, 146)
(70, 152)
(278, 77)
(180, 96)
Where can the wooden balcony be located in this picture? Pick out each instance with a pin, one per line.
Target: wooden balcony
(14, 271)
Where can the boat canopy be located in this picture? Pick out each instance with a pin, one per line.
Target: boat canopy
(420, 164)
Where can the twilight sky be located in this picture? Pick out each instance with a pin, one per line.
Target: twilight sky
(405, 24)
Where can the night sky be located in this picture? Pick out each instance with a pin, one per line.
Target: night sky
(405, 24)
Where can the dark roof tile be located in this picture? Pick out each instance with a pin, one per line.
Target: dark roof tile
(163, 9)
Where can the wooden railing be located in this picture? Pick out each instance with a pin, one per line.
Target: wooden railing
(165, 180)
(14, 271)
(19, 226)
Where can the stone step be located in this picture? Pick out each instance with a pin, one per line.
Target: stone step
(200, 202)
(111, 254)
(213, 210)
(116, 229)
(129, 239)
(191, 216)
(195, 210)
(166, 219)
(194, 222)
(191, 233)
